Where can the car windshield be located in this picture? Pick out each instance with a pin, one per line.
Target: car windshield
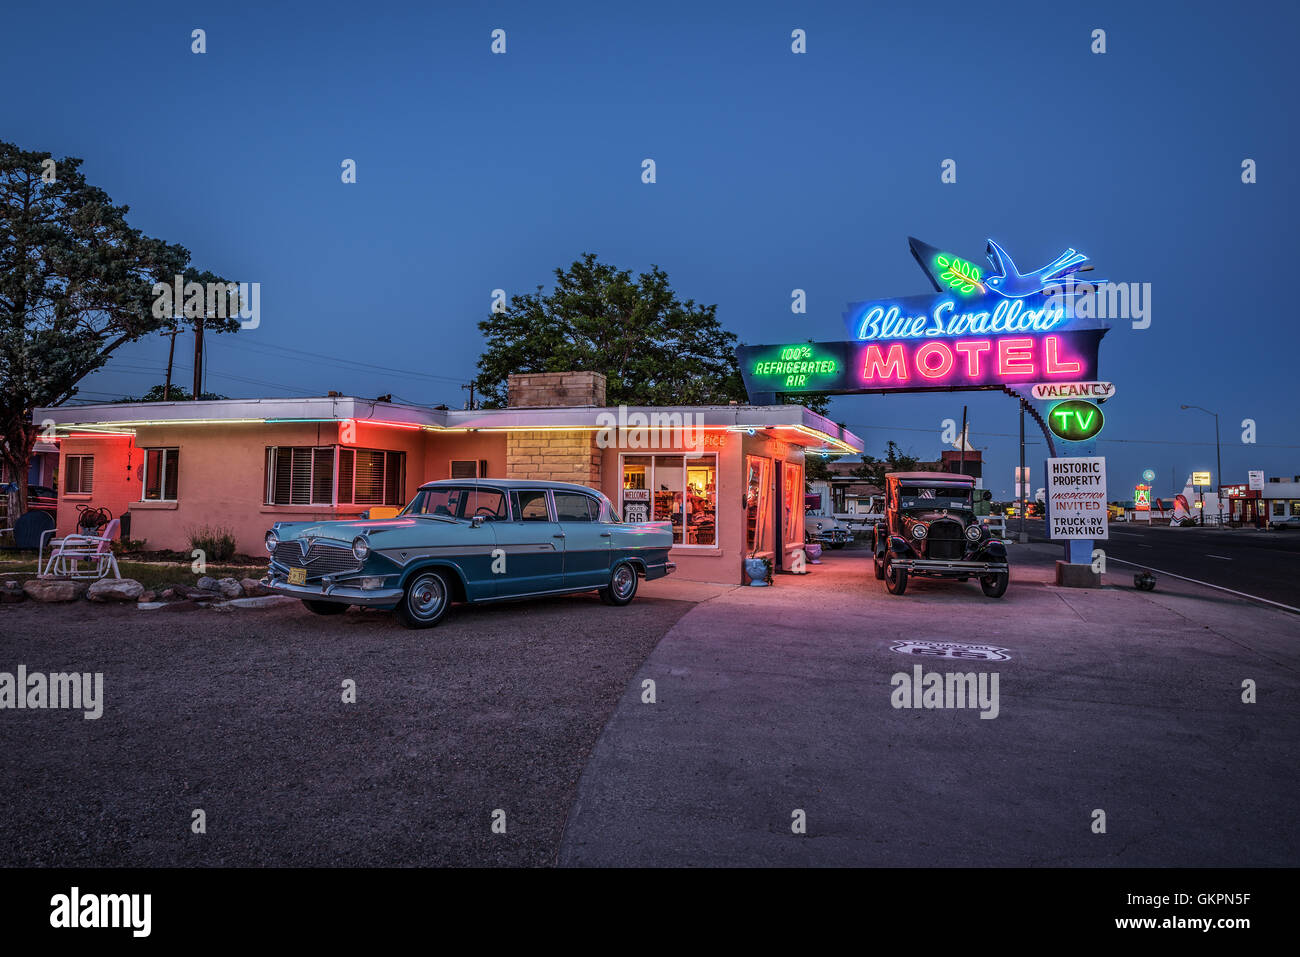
(931, 496)
(458, 502)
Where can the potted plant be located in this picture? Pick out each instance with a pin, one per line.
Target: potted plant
(759, 570)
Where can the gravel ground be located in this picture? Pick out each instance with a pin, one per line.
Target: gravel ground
(239, 712)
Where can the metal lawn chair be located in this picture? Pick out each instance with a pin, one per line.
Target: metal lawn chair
(68, 554)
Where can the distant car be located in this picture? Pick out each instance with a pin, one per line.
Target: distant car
(1286, 521)
(40, 498)
(826, 529)
(473, 541)
(930, 529)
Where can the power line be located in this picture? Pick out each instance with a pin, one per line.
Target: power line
(254, 347)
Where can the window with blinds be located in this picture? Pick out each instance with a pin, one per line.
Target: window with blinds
(79, 477)
(306, 476)
(300, 476)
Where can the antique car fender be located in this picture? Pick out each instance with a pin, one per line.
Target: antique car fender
(992, 551)
(460, 590)
(898, 547)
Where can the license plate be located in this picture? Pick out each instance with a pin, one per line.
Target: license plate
(297, 576)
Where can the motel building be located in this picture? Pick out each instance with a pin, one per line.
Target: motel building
(730, 478)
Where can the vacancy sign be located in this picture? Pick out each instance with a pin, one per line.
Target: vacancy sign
(1076, 498)
(1073, 390)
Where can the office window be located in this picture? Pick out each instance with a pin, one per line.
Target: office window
(161, 474)
(80, 474)
(677, 489)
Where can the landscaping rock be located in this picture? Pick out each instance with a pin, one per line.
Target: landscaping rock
(54, 589)
(207, 583)
(230, 588)
(264, 601)
(148, 597)
(150, 605)
(115, 589)
(254, 588)
(171, 594)
(11, 591)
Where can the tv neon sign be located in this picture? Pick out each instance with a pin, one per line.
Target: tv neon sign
(1075, 420)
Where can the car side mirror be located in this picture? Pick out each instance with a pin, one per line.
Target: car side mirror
(476, 520)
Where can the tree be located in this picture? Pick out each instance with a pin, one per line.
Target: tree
(652, 348)
(815, 468)
(872, 469)
(175, 394)
(76, 283)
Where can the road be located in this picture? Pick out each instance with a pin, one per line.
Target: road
(1263, 564)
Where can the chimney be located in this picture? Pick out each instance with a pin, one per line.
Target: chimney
(535, 390)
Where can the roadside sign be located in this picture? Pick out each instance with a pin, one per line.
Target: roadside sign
(1075, 420)
(1148, 475)
(1142, 498)
(1076, 498)
(1256, 480)
(1073, 390)
(1201, 478)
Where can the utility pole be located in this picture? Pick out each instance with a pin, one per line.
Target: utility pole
(961, 442)
(1218, 464)
(471, 393)
(198, 358)
(1024, 477)
(171, 353)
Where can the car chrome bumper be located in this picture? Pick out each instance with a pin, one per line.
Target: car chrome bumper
(376, 597)
(954, 567)
(659, 571)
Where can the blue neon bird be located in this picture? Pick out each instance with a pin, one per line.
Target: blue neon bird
(1013, 284)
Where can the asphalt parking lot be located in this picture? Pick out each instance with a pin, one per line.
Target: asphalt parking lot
(776, 701)
(240, 713)
(768, 702)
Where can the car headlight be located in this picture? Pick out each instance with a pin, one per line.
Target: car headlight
(974, 532)
(919, 530)
(360, 548)
(271, 541)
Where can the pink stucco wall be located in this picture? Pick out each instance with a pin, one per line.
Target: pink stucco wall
(222, 481)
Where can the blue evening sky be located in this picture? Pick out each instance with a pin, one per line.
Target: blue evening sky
(775, 171)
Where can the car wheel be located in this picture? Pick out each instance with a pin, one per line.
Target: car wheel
(880, 568)
(995, 586)
(895, 578)
(425, 601)
(622, 585)
(326, 607)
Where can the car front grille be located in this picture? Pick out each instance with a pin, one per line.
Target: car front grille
(321, 559)
(945, 541)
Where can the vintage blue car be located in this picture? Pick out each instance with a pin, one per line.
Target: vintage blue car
(470, 541)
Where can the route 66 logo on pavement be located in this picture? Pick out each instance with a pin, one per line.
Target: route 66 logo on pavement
(950, 649)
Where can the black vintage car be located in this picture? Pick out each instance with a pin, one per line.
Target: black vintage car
(930, 529)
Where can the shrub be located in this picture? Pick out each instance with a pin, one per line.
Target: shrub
(217, 544)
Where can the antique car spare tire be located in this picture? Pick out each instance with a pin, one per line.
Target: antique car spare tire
(325, 607)
(425, 601)
(995, 586)
(895, 578)
(622, 585)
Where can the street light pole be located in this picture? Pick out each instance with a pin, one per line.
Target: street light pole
(1218, 461)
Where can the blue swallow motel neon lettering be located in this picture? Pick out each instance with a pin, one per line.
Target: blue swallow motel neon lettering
(1009, 315)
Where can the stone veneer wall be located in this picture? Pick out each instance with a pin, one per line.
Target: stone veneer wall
(553, 457)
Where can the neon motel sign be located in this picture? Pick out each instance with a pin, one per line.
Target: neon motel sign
(981, 331)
